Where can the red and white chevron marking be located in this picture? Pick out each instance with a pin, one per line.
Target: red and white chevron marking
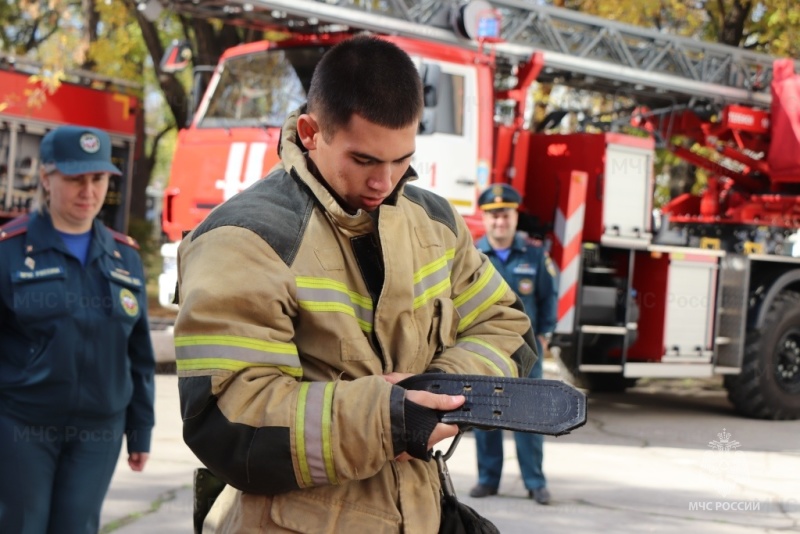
(566, 250)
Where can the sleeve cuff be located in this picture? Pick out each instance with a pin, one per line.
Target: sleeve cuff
(420, 422)
(138, 439)
(398, 420)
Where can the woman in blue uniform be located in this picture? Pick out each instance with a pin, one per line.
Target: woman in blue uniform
(76, 361)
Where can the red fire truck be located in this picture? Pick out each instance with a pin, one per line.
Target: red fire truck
(708, 285)
(28, 111)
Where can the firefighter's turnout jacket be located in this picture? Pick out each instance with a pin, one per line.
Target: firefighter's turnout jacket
(281, 347)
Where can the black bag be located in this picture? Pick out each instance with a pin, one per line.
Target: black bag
(457, 517)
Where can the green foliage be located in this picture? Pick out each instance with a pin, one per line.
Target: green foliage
(120, 53)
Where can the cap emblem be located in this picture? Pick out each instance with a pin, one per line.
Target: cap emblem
(90, 143)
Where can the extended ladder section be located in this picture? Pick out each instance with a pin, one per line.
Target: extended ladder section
(586, 51)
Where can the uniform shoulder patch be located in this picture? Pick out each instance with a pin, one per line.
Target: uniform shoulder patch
(437, 208)
(551, 268)
(124, 239)
(14, 228)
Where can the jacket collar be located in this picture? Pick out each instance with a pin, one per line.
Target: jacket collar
(42, 235)
(293, 157)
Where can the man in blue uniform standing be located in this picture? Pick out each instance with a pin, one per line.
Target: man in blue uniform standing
(531, 274)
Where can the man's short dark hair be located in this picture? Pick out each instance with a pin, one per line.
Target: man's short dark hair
(367, 76)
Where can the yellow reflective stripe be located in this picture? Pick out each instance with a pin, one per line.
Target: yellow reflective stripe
(431, 293)
(236, 341)
(327, 425)
(335, 307)
(234, 353)
(433, 279)
(326, 295)
(490, 363)
(475, 288)
(488, 289)
(435, 265)
(464, 323)
(300, 431)
(487, 352)
(326, 283)
(207, 364)
(313, 433)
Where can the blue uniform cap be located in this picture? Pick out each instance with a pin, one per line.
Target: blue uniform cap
(499, 197)
(77, 150)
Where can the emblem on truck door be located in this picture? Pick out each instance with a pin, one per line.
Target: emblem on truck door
(239, 176)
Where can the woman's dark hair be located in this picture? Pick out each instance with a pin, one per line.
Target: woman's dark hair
(367, 76)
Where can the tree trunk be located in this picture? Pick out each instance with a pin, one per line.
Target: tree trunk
(733, 21)
(174, 94)
(92, 19)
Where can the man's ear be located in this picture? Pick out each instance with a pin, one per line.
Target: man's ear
(307, 131)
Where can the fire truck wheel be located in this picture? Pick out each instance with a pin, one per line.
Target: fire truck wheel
(769, 385)
(595, 382)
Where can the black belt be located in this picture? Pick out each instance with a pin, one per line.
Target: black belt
(520, 404)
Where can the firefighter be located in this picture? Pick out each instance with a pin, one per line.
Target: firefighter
(307, 297)
(529, 271)
(77, 365)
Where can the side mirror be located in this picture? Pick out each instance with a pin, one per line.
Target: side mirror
(176, 58)
(431, 74)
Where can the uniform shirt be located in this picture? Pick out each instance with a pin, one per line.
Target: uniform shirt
(531, 274)
(75, 340)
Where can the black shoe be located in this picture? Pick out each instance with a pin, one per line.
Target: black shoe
(540, 495)
(482, 491)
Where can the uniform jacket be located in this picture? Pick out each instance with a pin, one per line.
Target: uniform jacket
(75, 339)
(281, 346)
(532, 275)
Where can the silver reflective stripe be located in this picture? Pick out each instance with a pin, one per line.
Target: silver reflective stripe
(314, 432)
(432, 285)
(487, 290)
(236, 353)
(326, 295)
(490, 355)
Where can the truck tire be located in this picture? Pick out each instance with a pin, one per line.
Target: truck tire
(595, 382)
(769, 385)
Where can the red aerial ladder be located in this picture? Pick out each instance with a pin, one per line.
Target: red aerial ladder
(708, 285)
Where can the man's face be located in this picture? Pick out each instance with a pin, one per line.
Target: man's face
(500, 225)
(363, 162)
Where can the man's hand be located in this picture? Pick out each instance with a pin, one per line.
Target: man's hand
(545, 345)
(137, 460)
(434, 401)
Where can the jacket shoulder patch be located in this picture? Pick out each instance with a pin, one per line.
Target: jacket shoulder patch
(122, 238)
(436, 207)
(276, 208)
(14, 228)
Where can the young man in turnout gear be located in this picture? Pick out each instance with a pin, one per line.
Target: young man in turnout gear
(305, 298)
(531, 274)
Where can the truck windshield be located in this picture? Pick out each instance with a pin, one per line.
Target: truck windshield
(262, 88)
